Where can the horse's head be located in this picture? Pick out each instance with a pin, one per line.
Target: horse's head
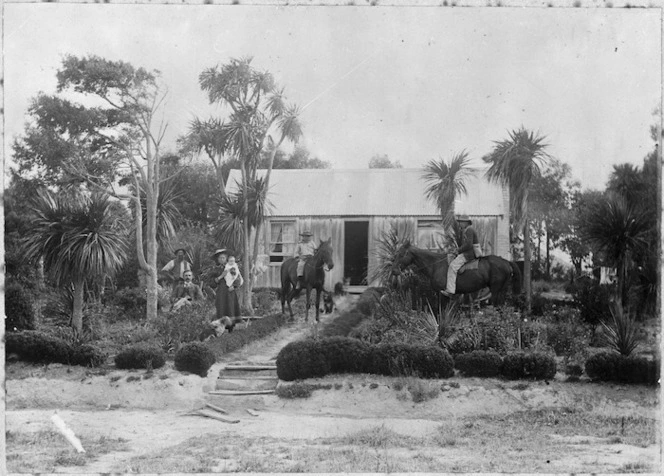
(402, 258)
(324, 253)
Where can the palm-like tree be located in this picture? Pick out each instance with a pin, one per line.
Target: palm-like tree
(445, 181)
(79, 237)
(515, 162)
(620, 230)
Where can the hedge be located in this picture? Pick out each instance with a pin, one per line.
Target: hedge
(259, 328)
(18, 308)
(194, 357)
(531, 365)
(317, 358)
(38, 347)
(140, 356)
(609, 366)
(479, 363)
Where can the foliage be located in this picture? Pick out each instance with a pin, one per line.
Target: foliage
(19, 311)
(368, 301)
(609, 366)
(621, 334)
(263, 299)
(446, 181)
(383, 162)
(593, 299)
(132, 302)
(619, 229)
(35, 346)
(531, 365)
(317, 358)
(566, 333)
(176, 328)
(342, 325)
(140, 356)
(299, 390)
(258, 329)
(387, 247)
(479, 363)
(194, 357)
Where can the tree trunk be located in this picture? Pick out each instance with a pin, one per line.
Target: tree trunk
(151, 273)
(526, 263)
(77, 314)
(41, 284)
(548, 256)
(246, 262)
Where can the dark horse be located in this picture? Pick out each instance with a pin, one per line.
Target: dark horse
(493, 272)
(314, 277)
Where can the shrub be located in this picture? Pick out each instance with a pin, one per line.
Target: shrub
(540, 305)
(299, 390)
(592, 299)
(88, 355)
(140, 356)
(535, 365)
(301, 360)
(310, 358)
(343, 324)
(259, 328)
(479, 363)
(132, 301)
(34, 346)
(194, 357)
(184, 325)
(368, 301)
(566, 334)
(621, 334)
(610, 366)
(19, 311)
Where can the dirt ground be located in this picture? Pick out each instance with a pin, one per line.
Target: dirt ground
(360, 423)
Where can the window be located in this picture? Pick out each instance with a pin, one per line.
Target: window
(430, 235)
(282, 240)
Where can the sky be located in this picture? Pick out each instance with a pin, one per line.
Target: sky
(415, 83)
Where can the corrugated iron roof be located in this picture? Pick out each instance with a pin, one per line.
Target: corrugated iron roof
(368, 192)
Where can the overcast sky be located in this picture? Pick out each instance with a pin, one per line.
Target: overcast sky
(413, 83)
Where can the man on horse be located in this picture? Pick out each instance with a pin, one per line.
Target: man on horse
(304, 250)
(466, 253)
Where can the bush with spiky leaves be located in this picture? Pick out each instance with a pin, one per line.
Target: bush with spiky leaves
(387, 247)
(622, 334)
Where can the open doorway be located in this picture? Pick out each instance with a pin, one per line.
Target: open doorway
(356, 252)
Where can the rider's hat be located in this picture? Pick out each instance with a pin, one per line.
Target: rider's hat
(466, 218)
(306, 233)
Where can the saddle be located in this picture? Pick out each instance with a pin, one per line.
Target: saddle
(474, 264)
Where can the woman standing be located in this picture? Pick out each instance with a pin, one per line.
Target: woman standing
(226, 302)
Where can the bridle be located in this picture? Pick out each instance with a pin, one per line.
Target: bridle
(419, 267)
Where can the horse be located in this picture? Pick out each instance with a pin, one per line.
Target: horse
(314, 277)
(493, 272)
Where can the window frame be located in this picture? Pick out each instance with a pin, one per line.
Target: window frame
(273, 257)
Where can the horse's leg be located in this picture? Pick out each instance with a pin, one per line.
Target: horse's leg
(289, 299)
(306, 312)
(318, 291)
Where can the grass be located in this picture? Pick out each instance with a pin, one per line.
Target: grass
(48, 450)
(522, 441)
(300, 389)
(420, 390)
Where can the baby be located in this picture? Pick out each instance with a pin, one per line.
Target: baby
(233, 271)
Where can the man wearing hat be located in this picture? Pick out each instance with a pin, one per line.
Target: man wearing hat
(466, 253)
(305, 249)
(178, 266)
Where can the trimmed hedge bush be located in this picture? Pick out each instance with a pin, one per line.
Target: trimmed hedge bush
(343, 324)
(532, 365)
(317, 358)
(35, 346)
(609, 366)
(140, 356)
(259, 328)
(479, 363)
(194, 357)
(18, 308)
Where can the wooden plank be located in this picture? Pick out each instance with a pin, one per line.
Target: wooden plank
(216, 417)
(240, 392)
(252, 412)
(250, 367)
(248, 377)
(214, 407)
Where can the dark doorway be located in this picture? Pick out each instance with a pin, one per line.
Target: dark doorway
(356, 252)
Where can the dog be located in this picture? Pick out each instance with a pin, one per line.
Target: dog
(217, 328)
(328, 303)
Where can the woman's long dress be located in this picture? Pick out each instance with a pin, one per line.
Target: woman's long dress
(226, 301)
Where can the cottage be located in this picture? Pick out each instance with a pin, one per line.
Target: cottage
(355, 207)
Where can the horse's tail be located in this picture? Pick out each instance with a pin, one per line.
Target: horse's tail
(516, 278)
